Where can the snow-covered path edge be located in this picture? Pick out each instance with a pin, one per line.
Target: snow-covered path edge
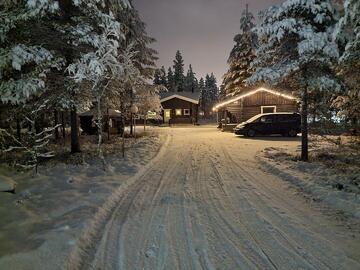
(338, 200)
(85, 248)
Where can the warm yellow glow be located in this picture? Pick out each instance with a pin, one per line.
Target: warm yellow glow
(178, 112)
(252, 93)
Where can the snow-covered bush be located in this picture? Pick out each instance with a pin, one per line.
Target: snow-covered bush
(33, 147)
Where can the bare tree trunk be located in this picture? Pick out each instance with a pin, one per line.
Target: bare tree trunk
(131, 124)
(144, 123)
(100, 130)
(304, 126)
(75, 144)
(56, 122)
(123, 138)
(108, 124)
(18, 129)
(131, 115)
(99, 125)
(63, 125)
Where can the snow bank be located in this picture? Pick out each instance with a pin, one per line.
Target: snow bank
(330, 186)
(7, 184)
(49, 211)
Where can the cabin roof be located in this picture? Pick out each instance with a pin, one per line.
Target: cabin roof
(192, 97)
(109, 113)
(251, 92)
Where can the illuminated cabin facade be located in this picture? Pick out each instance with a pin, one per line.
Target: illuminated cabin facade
(180, 107)
(242, 107)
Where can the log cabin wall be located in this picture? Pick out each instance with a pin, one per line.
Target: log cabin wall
(177, 103)
(250, 106)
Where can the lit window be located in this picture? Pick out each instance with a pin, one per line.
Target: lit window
(178, 112)
(186, 111)
(167, 113)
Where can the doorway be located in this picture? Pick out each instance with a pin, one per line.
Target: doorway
(167, 115)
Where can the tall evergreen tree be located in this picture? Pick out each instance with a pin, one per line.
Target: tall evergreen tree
(163, 79)
(170, 81)
(202, 91)
(190, 81)
(209, 94)
(137, 35)
(157, 79)
(213, 89)
(348, 35)
(179, 78)
(296, 46)
(241, 56)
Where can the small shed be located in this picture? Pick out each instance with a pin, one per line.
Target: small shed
(180, 107)
(251, 102)
(112, 121)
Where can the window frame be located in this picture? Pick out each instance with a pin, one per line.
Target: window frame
(187, 112)
(272, 106)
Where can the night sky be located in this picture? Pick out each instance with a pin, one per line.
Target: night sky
(202, 30)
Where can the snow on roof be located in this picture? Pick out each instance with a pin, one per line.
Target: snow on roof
(110, 113)
(249, 93)
(192, 97)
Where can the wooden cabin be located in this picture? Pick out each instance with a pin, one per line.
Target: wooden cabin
(242, 107)
(112, 122)
(180, 107)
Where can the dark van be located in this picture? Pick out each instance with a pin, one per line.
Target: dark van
(286, 124)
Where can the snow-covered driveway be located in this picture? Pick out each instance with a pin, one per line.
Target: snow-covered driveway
(205, 203)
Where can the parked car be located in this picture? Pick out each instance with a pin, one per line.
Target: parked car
(286, 124)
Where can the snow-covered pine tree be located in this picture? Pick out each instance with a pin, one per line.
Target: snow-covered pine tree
(170, 80)
(348, 34)
(209, 94)
(144, 59)
(30, 58)
(296, 44)
(213, 92)
(160, 77)
(202, 91)
(105, 63)
(137, 35)
(163, 79)
(157, 80)
(190, 81)
(241, 56)
(179, 78)
(25, 61)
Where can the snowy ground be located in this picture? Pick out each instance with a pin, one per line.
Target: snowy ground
(332, 177)
(205, 202)
(40, 224)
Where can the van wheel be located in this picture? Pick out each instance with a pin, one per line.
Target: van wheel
(292, 133)
(251, 133)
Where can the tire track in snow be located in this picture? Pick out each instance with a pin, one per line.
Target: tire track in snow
(260, 206)
(320, 261)
(243, 258)
(85, 250)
